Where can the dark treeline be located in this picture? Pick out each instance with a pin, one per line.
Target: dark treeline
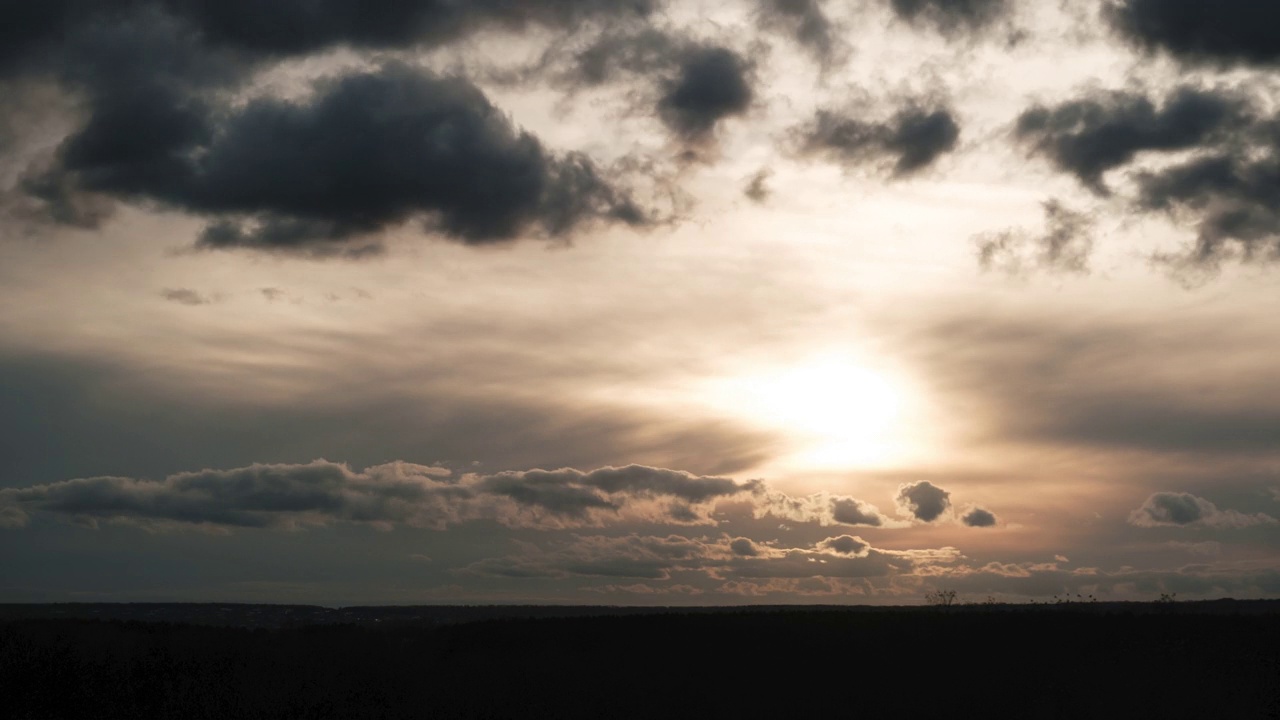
(1068, 663)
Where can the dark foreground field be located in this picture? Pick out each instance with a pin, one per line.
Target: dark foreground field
(1052, 662)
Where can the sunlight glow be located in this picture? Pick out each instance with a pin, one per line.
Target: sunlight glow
(840, 413)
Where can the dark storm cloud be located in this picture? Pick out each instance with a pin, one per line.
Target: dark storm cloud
(1064, 247)
(1215, 32)
(369, 151)
(1185, 509)
(923, 500)
(848, 511)
(913, 138)
(713, 83)
(322, 492)
(806, 22)
(296, 27)
(1089, 136)
(95, 417)
(757, 189)
(978, 517)
(951, 17)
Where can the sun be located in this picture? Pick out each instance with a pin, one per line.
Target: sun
(838, 412)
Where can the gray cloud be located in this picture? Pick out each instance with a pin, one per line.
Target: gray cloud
(321, 492)
(1046, 579)
(806, 22)
(757, 189)
(1089, 136)
(1229, 194)
(185, 296)
(977, 517)
(951, 17)
(923, 500)
(821, 508)
(849, 511)
(641, 480)
(1224, 189)
(369, 151)
(1064, 247)
(1184, 509)
(100, 415)
(824, 562)
(627, 556)
(660, 557)
(297, 28)
(1221, 32)
(695, 85)
(1090, 383)
(913, 138)
(712, 84)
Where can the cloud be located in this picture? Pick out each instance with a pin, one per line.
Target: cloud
(757, 189)
(713, 83)
(1229, 194)
(628, 556)
(849, 511)
(366, 152)
(845, 545)
(1171, 509)
(660, 557)
(1063, 247)
(1089, 383)
(12, 517)
(912, 139)
(1224, 187)
(951, 17)
(1106, 130)
(807, 23)
(322, 492)
(977, 517)
(1221, 32)
(821, 508)
(693, 85)
(923, 500)
(285, 29)
(185, 296)
(744, 547)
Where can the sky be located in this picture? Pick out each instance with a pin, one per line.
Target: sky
(655, 302)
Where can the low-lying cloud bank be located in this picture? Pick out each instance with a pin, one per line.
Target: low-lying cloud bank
(701, 559)
(322, 492)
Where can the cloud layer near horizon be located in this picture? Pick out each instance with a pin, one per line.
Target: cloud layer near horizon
(656, 300)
